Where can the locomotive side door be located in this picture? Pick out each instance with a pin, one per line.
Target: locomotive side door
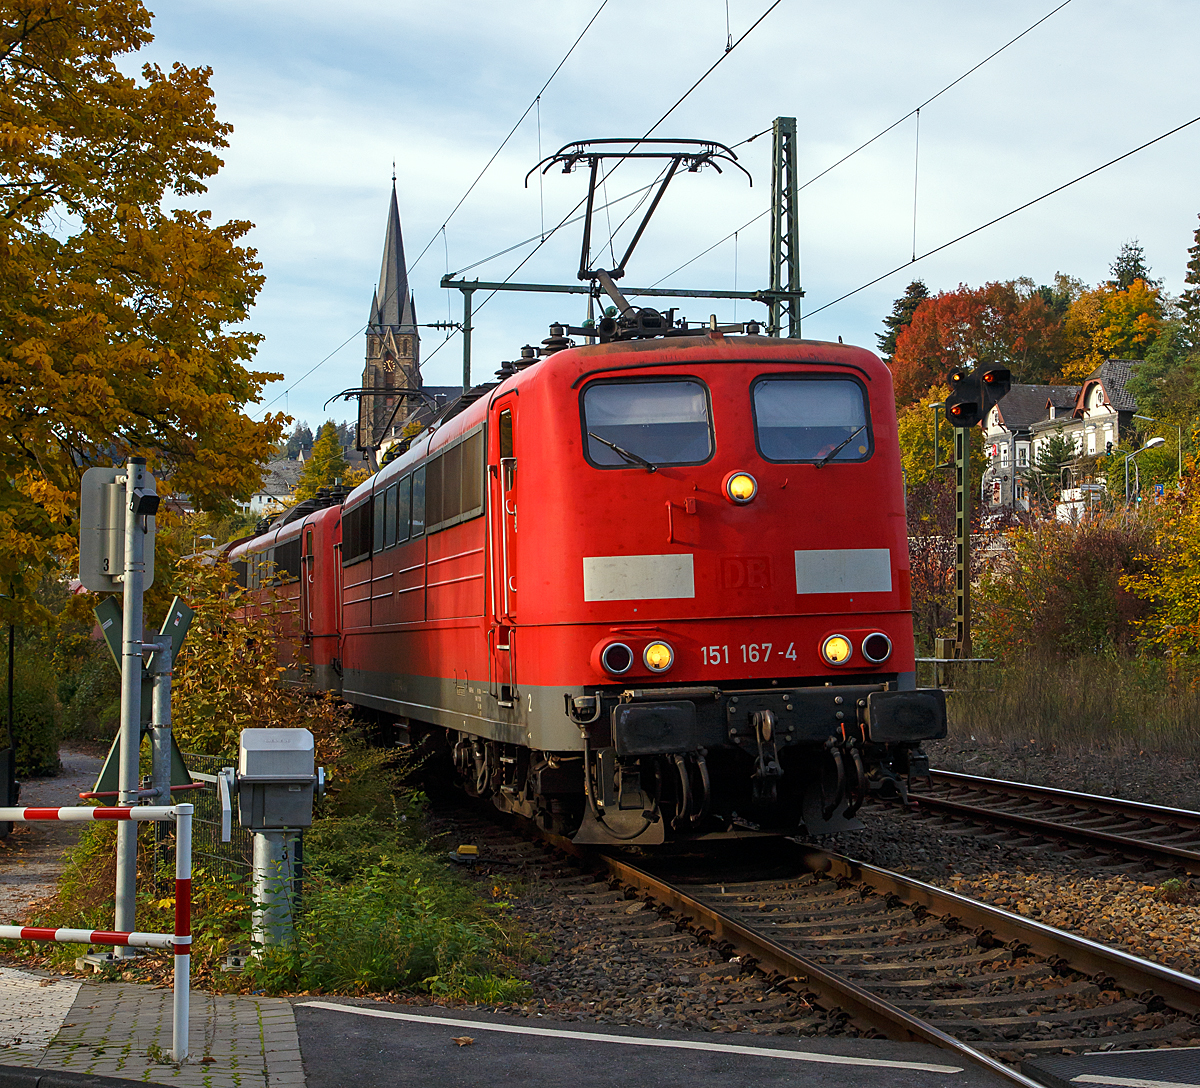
(306, 586)
(502, 483)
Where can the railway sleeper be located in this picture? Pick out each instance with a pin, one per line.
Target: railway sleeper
(999, 1001)
(1117, 1011)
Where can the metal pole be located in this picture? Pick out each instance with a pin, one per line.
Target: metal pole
(183, 932)
(131, 701)
(10, 756)
(273, 886)
(962, 560)
(785, 229)
(467, 292)
(160, 722)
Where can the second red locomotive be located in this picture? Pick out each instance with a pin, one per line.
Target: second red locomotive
(642, 590)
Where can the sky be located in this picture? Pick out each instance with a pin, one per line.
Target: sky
(323, 98)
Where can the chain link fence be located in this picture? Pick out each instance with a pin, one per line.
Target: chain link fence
(228, 864)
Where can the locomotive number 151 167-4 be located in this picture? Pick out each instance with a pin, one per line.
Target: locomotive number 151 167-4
(751, 653)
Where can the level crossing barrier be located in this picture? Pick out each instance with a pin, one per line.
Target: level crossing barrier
(180, 942)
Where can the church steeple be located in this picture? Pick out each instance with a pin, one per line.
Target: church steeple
(393, 348)
(392, 304)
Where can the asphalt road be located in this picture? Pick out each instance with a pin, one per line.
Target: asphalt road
(372, 1044)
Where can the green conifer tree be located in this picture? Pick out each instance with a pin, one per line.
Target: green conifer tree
(325, 465)
(902, 314)
(1189, 301)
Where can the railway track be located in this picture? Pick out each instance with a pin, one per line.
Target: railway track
(843, 941)
(913, 962)
(1165, 839)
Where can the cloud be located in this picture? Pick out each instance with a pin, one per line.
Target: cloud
(324, 97)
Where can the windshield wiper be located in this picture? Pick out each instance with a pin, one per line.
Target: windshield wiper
(631, 458)
(839, 447)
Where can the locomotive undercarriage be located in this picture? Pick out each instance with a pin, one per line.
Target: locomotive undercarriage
(668, 764)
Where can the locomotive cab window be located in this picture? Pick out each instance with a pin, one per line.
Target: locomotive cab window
(646, 423)
(811, 419)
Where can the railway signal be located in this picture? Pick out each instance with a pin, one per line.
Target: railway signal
(974, 393)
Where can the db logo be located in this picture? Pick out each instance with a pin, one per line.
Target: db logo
(746, 572)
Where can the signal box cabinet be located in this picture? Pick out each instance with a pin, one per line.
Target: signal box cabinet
(276, 779)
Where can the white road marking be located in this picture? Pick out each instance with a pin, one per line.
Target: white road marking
(633, 1040)
(32, 1008)
(1131, 1082)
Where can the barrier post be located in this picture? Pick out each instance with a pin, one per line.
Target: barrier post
(183, 931)
(179, 942)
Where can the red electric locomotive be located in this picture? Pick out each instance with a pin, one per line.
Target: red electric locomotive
(640, 590)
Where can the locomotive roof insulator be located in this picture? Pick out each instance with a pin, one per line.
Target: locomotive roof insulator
(556, 341)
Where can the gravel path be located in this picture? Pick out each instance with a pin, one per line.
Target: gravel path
(31, 858)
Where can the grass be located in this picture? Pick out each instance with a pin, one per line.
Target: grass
(1109, 701)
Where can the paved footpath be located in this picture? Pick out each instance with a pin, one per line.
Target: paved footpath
(123, 1030)
(31, 858)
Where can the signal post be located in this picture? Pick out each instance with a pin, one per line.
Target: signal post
(973, 393)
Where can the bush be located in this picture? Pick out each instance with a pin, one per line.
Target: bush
(403, 924)
(1056, 590)
(90, 695)
(35, 724)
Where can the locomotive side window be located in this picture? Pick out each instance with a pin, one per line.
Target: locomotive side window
(418, 502)
(451, 486)
(239, 569)
(389, 517)
(403, 508)
(357, 525)
(454, 484)
(811, 419)
(380, 510)
(646, 423)
(472, 475)
(287, 562)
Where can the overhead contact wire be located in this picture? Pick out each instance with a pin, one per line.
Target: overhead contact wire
(1006, 215)
(536, 102)
(899, 121)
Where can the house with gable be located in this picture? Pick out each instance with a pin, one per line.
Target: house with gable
(1008, 436)
(1094, 417)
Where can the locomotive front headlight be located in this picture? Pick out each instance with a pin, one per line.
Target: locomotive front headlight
(740, 488)
(837, 649)
(617, 658)
(658, 657)
(877, 647)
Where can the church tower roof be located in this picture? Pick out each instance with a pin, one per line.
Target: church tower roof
(393, 303)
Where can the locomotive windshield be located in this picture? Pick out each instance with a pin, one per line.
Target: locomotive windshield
(806, 419)
(652, 422)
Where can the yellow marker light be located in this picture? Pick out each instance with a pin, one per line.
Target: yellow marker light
(740, 487)
(836, 649)
(658, 657)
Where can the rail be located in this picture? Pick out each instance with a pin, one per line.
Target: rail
(1051, 952)
(180, 942)
(1167, 836)
(865, 1007)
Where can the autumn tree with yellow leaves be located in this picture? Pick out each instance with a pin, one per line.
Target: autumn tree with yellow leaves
(119, 315)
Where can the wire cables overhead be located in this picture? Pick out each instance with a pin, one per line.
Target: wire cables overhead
(535, 103)
(1006, 215)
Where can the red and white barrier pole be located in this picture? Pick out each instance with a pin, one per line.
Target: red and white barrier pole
(180, 942)
(183, 931)
(83, 813)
